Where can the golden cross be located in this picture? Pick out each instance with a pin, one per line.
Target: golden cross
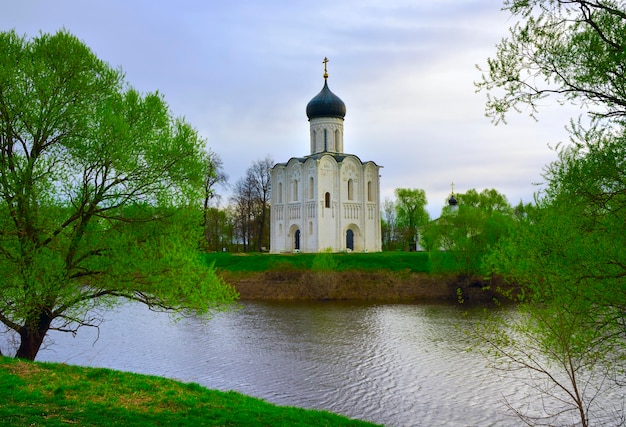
(325, 61)
(452, 188)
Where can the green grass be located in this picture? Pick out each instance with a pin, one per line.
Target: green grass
(45, 394)
(418, 262)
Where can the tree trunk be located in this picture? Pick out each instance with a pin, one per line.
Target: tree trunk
(32, 335)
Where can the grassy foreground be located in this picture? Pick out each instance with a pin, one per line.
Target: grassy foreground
(46, 394)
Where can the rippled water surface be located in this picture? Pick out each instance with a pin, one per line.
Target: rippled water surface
(394, 364)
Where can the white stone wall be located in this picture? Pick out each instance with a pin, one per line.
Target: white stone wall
(326, 135)
(277, 210)
(299, 202)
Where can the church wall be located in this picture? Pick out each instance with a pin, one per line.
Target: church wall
(371, 217)
(360, 210)
(277, 211)
(326, 135)
(299, 202)
(287, 207)
(284, 212)
(351, 215)
(310, 226)
(328, 172)
(295, 211)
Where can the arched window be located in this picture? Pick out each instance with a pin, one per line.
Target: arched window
(327, 200)
(311, 192)
(337, 140)
(295, 190)
(280, 192)
(350, 189)
(369, 191)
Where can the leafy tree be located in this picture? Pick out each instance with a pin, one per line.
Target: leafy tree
(389, 225)
(571, 50)
(411, 213)
(221, 232)
(99, 192)
(231, 226)
(568, 254)
(469, 230)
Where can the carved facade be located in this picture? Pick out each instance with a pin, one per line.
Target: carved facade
(327, 200)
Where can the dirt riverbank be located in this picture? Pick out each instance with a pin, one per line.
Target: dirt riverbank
(305, 285)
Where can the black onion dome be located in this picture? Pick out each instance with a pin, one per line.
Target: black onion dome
(325, 104)
(452, 201)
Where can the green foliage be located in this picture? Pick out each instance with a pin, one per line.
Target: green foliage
(571, 252)
(52, 394)
(324, 261)
(569, 257)
(573, 51)
(558, 355)
(389, 226)
(411, 212)
(568, 253)
(468, 231)
(98, 193)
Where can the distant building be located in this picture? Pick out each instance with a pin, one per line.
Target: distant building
(328, 200)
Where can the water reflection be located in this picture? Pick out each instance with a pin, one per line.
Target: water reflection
(395, 364)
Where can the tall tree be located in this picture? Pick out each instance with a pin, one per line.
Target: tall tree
(259, 175)
(411, 213)
(243, 210)
(389, 225)
(98, 186)
(220, 222)
(251, 201)
(568, 255)
(214, 176)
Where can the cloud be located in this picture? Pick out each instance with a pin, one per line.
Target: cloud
(243, 71)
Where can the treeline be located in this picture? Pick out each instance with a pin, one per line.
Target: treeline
(470, 226)
(243, 225)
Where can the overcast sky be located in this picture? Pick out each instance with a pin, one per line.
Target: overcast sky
(242, 72)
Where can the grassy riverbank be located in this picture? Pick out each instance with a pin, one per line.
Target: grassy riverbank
(383, 276)
(46, 394)
(415, 262)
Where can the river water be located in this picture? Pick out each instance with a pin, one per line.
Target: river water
(394, 364)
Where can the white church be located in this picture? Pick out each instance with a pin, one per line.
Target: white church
(327, 200)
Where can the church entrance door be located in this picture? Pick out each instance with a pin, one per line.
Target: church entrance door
(350, 240)
(296, 243)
